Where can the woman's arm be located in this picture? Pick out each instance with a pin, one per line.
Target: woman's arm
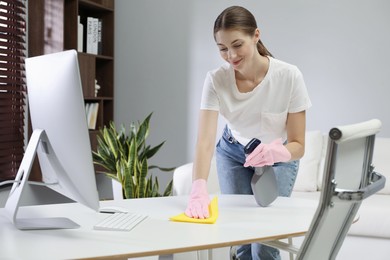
(199, 199)
(296, 127)
(207, 129)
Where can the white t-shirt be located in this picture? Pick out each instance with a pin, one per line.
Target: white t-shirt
(261, 113)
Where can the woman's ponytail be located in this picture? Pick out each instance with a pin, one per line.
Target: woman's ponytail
(262, 49)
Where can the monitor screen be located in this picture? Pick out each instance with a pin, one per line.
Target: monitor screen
(60, 137)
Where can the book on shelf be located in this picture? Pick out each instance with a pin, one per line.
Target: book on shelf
(80, 35)
(87, 107)
(92, 113)
(92, 35)
(100, 41)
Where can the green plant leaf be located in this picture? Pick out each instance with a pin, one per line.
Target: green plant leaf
(148, 188)
(142, 178)
(143, 130)
(168, 189)
(109, 135)
(150, 152)
(122, 143)
(156, 188)
(132, 159)
(128, 185)
(103, 157)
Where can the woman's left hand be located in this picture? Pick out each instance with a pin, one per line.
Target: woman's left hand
(268, 154)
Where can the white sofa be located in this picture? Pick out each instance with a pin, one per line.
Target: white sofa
(368, 238)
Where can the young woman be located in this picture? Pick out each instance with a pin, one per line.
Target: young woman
(259, 96)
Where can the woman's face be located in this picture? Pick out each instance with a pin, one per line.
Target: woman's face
(236, 47)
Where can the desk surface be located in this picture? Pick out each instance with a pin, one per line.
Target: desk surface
(240, 221)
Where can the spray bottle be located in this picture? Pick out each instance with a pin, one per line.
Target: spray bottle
(263, 183)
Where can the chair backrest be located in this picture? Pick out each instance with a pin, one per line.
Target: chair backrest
(348, 179)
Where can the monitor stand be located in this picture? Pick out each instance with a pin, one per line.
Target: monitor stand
(13, 202)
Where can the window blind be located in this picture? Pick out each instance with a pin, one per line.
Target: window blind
(12, 86)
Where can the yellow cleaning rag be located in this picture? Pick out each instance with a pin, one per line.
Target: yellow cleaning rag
(213, 210)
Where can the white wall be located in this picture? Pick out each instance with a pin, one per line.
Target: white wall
(151, 73)
(164, 49)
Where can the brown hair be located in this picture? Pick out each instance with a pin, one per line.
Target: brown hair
(239, 18)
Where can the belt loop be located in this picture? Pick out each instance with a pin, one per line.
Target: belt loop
(229, 136)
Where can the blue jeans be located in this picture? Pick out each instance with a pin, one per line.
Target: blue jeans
(234, 178)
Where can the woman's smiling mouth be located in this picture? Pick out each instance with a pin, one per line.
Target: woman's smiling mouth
(236, 63)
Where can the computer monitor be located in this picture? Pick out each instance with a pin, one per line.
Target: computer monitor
(60, 138)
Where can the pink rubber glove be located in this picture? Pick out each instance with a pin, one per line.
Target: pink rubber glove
(268, 154)
(198, 205)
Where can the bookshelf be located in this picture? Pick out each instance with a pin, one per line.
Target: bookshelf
(93, 66)
(53, 26)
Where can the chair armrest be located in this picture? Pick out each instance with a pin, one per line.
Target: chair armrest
(376, 184)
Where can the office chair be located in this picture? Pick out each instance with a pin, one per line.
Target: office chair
(348, 179)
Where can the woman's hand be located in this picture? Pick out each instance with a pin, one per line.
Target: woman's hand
(198, 205)
(268, 154)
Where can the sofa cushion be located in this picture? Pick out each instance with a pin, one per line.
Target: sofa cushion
(381, 161)
(310, 162)
(374, 217)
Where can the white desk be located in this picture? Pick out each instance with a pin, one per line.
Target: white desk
(240, 221)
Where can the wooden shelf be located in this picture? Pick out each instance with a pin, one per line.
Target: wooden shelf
(98, 5)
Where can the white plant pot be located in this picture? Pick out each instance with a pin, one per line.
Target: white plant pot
(117, 192)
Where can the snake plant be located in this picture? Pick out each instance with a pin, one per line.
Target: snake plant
(124, 156)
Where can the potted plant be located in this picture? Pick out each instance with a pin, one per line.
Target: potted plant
(124, 156)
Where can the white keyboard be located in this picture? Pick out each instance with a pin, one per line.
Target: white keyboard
(120, 221)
